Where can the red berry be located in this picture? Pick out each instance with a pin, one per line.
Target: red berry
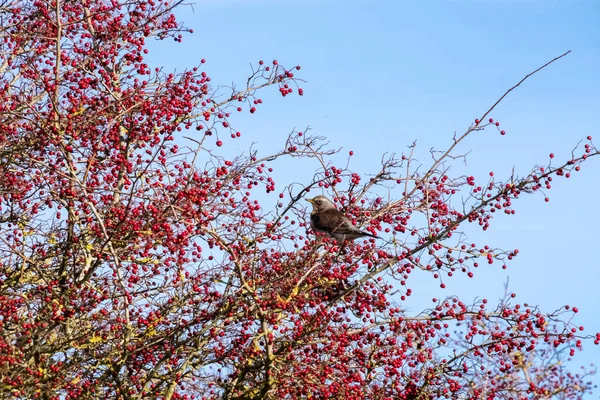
(491, 120)
(351, 153)
(589, 138)
(551, 155)
(575, 309)
(219, 143)
(252, 110)
(497, 123)
(502, 132)
(261, 62)
(274, 62)
(202, 61)
(300, 91)
(477, 121)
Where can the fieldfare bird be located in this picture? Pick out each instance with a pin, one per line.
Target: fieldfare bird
(327, 219)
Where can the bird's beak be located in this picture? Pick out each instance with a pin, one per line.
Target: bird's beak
(309, 200)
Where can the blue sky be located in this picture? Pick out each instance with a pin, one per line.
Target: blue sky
(381, 74)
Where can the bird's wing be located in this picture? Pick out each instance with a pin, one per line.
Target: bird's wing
(334, 221)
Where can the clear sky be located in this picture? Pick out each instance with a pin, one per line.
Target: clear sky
(381, 74)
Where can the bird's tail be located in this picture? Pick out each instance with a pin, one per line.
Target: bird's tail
(370, 234)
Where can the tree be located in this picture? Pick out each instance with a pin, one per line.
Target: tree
(132, 267)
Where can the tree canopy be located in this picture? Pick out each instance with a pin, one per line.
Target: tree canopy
(135, 267)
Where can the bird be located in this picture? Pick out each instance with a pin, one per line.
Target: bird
(325, 218)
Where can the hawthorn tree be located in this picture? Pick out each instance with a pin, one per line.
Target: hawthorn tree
(138, 263)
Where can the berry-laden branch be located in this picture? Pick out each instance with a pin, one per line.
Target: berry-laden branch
(443, 221)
